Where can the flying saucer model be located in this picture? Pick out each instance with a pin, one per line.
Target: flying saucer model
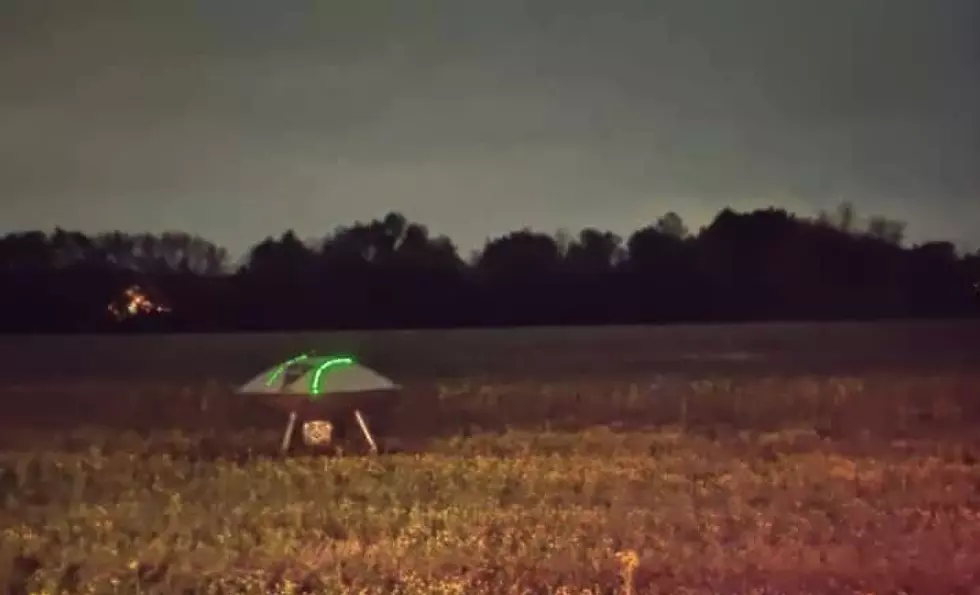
(318, 388)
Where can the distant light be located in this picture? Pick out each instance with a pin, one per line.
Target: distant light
(136, 303)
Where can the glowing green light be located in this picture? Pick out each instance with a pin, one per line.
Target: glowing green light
(315, 382)
(282, 368)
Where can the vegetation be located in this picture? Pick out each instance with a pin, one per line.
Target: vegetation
(542, 462)
(800, 484)
(152, 363)
(886, 405)
(392, 273)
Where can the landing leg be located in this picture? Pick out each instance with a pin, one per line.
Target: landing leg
(288, 436)
(367, 432)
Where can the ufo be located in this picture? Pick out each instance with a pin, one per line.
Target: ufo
(315, 389)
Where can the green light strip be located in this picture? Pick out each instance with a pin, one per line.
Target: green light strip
(282, 368)
(315, 382)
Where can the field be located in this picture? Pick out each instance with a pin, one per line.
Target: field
(832, 459)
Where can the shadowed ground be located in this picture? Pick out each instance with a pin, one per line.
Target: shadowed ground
(705, 350)
(844, 378)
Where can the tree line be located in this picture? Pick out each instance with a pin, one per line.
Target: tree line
(393, 273)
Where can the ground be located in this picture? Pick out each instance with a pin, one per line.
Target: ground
(729, 474)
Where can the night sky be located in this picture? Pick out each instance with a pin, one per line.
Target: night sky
(237, 119)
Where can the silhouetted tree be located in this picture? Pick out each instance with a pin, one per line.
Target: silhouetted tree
(520, 274)
(391, 272)
(673, 226)
(886, 230)
(662, 282)
(595, 252)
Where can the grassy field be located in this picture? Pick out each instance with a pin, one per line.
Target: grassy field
(534, 353)
(590, 512)
(720, 476)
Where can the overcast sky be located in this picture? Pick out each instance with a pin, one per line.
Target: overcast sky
(237, 119)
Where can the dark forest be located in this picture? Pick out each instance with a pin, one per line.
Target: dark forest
(392, 273)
